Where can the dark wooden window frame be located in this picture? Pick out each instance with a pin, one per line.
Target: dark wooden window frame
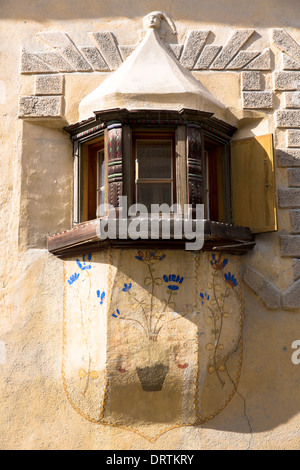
(117, 128)
(92, 174)
(224, 148)
(84, 184)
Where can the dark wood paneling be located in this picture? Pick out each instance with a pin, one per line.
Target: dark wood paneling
(115, 164)
(195, 165)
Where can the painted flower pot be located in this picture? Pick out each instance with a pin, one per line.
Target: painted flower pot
(152, 377)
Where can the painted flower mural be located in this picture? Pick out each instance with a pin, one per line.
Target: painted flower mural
(218, 262)
(150, 256)
(173, 281)
(161, 328)
(152, 321)
(230, 280)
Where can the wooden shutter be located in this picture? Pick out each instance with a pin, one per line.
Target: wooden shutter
(253, 184)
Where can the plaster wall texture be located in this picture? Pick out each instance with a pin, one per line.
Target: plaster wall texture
(36, 201)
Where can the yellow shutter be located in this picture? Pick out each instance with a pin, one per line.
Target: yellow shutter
(253, 184)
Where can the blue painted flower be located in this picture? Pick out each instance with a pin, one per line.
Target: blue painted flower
(127, 287)
(204, 297)
(230, 280)
(173, 281)
(83, 266)
(150, 256)
(118, 313)
(100, 296)
(218, 264)
(73, 278)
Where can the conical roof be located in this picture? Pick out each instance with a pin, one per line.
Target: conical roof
(151, 78)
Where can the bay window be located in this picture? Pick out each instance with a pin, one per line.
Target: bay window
(169, 157)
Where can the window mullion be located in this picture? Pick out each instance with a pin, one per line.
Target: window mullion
(76, 183)
(195, 165)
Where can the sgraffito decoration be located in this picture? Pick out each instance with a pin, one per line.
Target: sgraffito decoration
(152, 340)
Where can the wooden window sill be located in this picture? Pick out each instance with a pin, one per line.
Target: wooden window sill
(84, 237)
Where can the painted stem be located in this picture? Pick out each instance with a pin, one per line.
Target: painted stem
(87, 378)
(151, 301)
(145, 315)
(173, 319)
(158, 320)
(220, 329)
(137, 321)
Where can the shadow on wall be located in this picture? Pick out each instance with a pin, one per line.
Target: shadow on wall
(46, 185)
(170, 360)
(257, 13)
(268, 393)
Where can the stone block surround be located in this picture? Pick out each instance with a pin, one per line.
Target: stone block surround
(287, 119)
(197, 53)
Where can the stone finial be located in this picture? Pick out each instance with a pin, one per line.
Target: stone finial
(153, 21)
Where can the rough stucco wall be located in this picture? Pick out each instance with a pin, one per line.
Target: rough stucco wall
(264, 413)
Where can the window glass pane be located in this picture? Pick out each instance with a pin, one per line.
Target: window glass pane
(100, 202)
(102, 173)
(154, 159)
(100, 169)
(154, 193)
(100, 184)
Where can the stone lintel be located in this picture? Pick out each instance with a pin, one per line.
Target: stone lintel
(289, 197)
(294, 177)
(40, 106)
(291, 297)
(295, 221)
(251, 81)
(262, 62)
(288, 157)
(291, 99)
(286, 43)
(293, 137)
(288, 118)
(287, 81)
(237, 39)
(290, 245)
(258, 99)
(193, 45)
(49, 84)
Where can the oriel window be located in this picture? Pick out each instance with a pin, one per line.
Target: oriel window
(166, 158)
